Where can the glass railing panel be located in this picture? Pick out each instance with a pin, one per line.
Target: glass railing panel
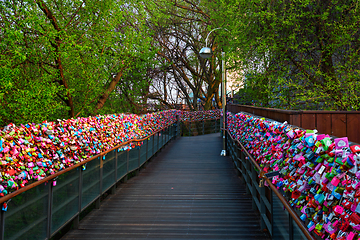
(121, 164)
(26, 217)
(280, 219)
(166, 135)
(161, 139)
(297, 233)
(90, 182)
(108, 178)
(133, 158)
(150, 146)
(155, 143)
(143, 152)
(65, 203)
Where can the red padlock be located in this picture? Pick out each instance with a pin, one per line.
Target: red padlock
(355, 218)
(355, 148)
(347, 204)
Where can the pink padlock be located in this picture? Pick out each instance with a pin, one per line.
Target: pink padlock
(312, 228)
(338, 209)
(330, 228)
(350, 236)
(320, 137)
(353, 207)
(325, 181)
(303, 210)
(335, 181)
(341, 142)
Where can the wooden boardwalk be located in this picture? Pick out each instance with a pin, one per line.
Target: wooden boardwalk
(188, 191)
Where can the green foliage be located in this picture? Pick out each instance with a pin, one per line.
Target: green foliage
(58, 58)
(302, 54)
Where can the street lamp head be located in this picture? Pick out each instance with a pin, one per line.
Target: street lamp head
(205, 52)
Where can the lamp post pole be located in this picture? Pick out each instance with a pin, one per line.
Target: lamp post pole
(206, 52)
(223, 152)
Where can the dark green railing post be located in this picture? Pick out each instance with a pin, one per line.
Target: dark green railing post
(153, 148)
(203, 124)
(158, 141)
(291, 228)
(147, 148)
(116, 164)
(49, 209)
(76, 220)
(2, 227)
(139, 156)
(97, 202)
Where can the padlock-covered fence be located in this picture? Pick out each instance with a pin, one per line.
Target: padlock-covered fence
(43, 210)
(81, 160)
(33, 152)
(313, 176)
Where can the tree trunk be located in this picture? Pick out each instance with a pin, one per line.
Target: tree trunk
(106, 94)
(69, 101)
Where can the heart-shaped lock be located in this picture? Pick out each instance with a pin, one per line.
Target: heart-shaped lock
(340, 143)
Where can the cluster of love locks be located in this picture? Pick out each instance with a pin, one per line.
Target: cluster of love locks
(320, 175)
(32, 152)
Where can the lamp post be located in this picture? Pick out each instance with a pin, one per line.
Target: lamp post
(206, 53)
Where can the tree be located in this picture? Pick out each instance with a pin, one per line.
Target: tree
(180, 33)
(65, 59)
(306, 51)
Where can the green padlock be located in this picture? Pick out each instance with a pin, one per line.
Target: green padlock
(340, 190)
(319, 226)
(329, 176)
(339, 161)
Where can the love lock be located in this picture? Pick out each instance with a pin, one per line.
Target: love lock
(5, 205)
(223, 153)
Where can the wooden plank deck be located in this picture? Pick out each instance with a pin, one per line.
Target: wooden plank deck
(188, 191)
